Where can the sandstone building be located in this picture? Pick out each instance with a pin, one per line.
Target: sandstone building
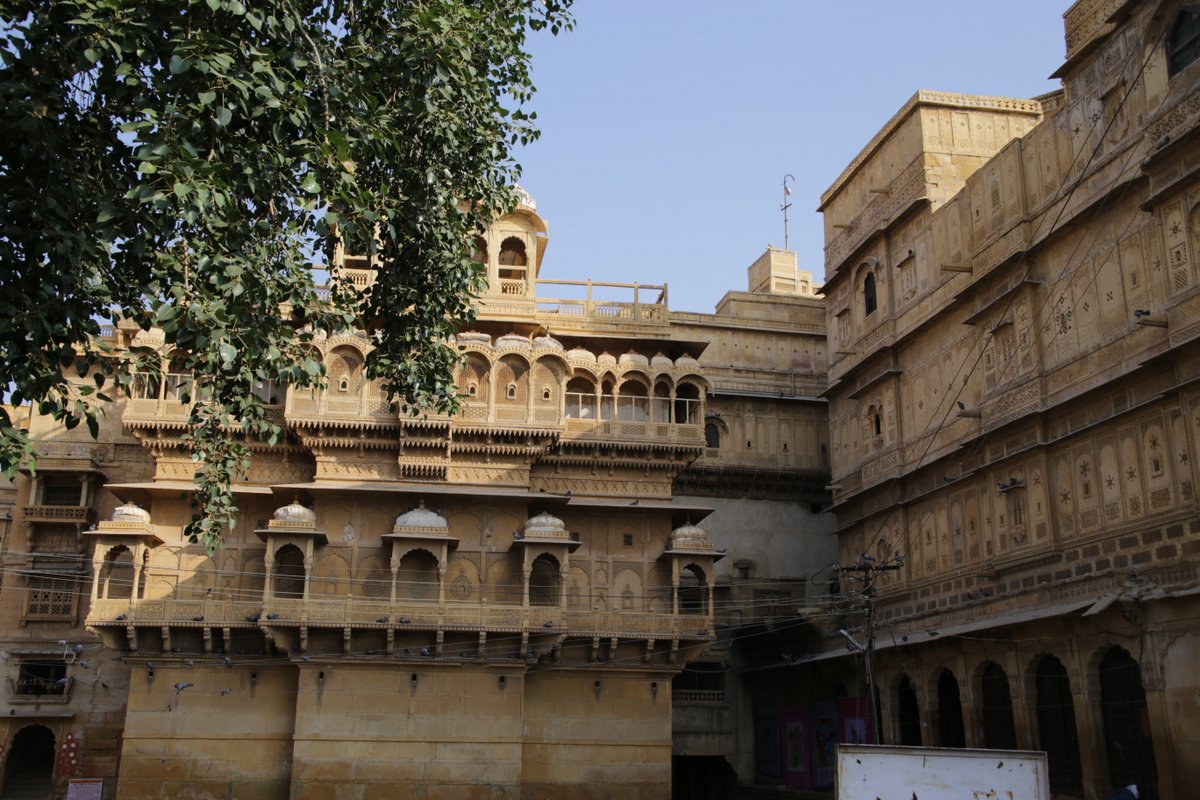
(1013, 305)
(491, 605)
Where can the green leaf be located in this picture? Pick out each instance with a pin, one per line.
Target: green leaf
(228, 353)
(206, 97)
(310, 185)
(224, 116)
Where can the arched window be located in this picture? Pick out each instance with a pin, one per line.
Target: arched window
(512, 265)
(417, 578)
(116, 576)
(687, 404)
(544, 588)
(1183, 41)
(479, 252)
(712, 435)
(869, 303)
(692, 590)
(289, 572)
(581, 399)
(634, 403)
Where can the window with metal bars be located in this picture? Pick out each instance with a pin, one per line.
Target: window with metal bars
(41, 677)
(1183, 40)
(65, 493)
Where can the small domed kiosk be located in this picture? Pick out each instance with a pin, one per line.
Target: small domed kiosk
(118, 561)
(692, 556)
(546, 546)
(292, 537)
(420, 544)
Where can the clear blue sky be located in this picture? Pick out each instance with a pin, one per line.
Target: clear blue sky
(668, 125)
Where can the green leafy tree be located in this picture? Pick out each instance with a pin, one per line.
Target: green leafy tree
(179, 162)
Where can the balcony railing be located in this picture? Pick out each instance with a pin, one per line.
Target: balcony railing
(52, 514)
(608, 430)
(698, 696)
(33, 689)
(405, 614)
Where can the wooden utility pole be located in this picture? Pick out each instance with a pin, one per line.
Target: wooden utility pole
(870, 569)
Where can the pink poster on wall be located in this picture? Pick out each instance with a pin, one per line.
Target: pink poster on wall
(795, 748)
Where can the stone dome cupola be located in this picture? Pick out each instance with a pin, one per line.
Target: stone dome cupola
(545, 528)
(421, 520)
(294, 515)
(689, 538)
(131, 512)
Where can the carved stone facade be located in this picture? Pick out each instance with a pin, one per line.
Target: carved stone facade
(491, 605)
(1013, 409)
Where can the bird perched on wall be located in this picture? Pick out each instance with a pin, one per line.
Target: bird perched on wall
(179, 687)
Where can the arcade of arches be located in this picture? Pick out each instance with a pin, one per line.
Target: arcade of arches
(1007, 694)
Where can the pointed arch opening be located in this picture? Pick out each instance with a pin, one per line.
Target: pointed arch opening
(951, 732)
(545, 582)
(687, 404)
(1126, 723)
(30, 768)
(417, 578)
(633, 405)
(289, 572)
(1056, 726)
(693, 590)
(117, 574)
(999, 731)
(581, 398)
(908, 713)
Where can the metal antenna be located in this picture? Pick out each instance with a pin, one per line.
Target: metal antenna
(784, 206)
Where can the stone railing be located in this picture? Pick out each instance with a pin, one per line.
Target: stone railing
(403, 614)
(126, 611)
(587, 303)
(698, 696)
(607, 430)
(68, 514)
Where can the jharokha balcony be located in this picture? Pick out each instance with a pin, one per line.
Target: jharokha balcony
(411, 613)
(510, 382)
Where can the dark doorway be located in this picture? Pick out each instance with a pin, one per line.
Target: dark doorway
(1127, 723)
(908, 714)
(1056, 726)
(30, 770)
(950, 719)
(999, 732)
(702, 778)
